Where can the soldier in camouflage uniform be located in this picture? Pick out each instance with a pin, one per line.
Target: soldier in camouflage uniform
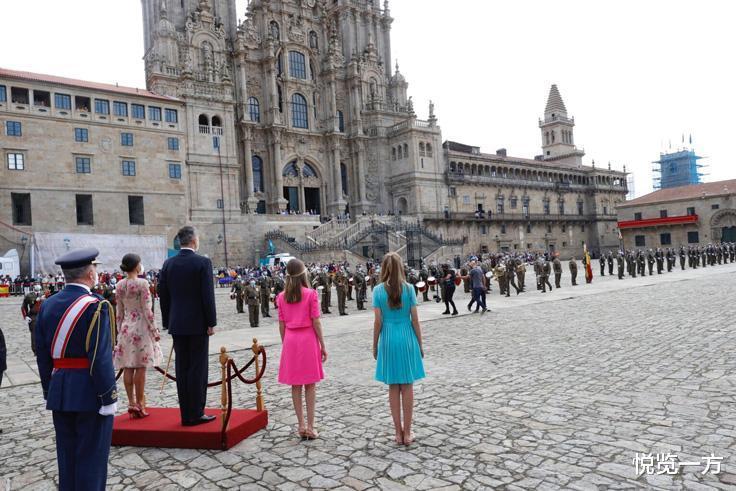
(236, 292)
(253, 301)
(573, 266)
(341, 287)
(265, 297)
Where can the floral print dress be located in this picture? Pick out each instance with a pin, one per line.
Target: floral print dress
(137, 346)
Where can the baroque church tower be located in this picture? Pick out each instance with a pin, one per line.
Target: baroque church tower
(558, 142)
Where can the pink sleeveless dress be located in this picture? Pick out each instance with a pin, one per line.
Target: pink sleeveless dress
(301, 357)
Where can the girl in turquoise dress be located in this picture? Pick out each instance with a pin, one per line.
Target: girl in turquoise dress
(397, 343)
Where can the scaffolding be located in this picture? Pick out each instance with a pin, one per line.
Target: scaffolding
(679, 168)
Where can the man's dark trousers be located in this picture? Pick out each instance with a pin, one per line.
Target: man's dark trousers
(191, 366)
(479, 295)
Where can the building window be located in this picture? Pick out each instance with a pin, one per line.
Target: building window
(120, 109)
(220, 204)
(512, 201)
(13, 128)
(299, 113)
(171, 115)
(525, 206)
(639, 241)
(340, 122)
(174, 171)
(561, 207)
(499, 204)
(84, 165)
(138, 111)
(126, 139)
(582, 228)
(81, 135)
(503, 228)
(16, 161)
(549, 228)
(665, 239)
(691, 211)
(693, 237)
(605, 210)
(483, 229)
(637, 215)
(102, 106)
(82, 104)
(662, 213)
(528, 228)
(135, 210)
(257, 164)
(563, 228)
(545, 207)
(400, 153)
(3, 93)
(254, 109)
(216, 142)
(128, 167)
(297, 65)
(85, 215)
(344, 178)
(580, 208)
(154, 113)
(63, 101)
(21, 203)
(173, 143)
(41, 98)
(715, 206)
(453, 191)
(19, 95)
(429, 149)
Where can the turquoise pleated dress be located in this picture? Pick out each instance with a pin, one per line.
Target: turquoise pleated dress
(399, 359)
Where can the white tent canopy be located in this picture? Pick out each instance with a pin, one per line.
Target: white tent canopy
(10, 264)
(49, 246)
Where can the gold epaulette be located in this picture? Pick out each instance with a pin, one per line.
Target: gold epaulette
(96, 320)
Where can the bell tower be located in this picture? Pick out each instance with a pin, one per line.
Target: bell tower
(558, 142)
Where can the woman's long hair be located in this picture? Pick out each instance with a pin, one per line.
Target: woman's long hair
(392, 277)
(296, 278)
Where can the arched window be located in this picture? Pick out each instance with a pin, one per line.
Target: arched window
(308, 170)
(553, 136)
(406, 150)
(254, 109)
(275, 33)
(340, 122)
(400, 153)
(313, 41)
(299, 114)
(216, 121)
(257, 163)
(344, 178)
(297, 65)
(290, 170)
(421, 149)
(204, 120)
(429, 149)
(393, 153)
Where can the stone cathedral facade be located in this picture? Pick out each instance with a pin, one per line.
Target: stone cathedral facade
(299, 104)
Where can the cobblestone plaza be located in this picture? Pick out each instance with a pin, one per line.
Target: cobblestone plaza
(553, 391)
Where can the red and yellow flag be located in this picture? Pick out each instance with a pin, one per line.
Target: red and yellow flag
(588, 268)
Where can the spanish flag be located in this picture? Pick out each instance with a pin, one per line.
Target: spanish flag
(588, 268)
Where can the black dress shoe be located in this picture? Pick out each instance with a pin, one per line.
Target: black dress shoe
(201, 420)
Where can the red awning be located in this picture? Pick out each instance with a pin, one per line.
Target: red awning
(658, 222)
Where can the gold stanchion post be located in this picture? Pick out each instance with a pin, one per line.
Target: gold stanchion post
(259, 395)
(223, 366)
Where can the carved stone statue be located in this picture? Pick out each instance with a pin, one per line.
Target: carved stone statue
(410, 105)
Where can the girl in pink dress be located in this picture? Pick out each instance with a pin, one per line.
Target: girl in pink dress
(303, 350)
(138, 336)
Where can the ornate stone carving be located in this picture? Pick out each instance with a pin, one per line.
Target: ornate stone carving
(296, 30)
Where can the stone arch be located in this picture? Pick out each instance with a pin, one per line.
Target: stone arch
(402, 206)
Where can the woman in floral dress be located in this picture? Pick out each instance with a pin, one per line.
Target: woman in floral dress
(138, 336)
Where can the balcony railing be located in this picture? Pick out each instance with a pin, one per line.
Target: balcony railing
(515, 217)
(207, 130)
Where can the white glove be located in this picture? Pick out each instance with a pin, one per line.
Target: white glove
(28, 319)
(109, 410)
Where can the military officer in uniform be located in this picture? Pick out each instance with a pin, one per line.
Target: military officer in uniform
(236, 292)
(620, 263)
(573, 266)
(557, 268)
(682, 258)
(510, 274)
(545, 272)
(659, 257)
(360, 289)
(520, 274)
(603, 264)
(323, 280)
(75, 337)
(350, 282)
(341, 287)
(30, 308)
(650, 262)
(252, 300)
(265, 287)
(609, 259)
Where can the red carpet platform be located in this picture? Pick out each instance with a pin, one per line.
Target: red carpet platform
(163, 429)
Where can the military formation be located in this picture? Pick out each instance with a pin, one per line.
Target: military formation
(257, 288)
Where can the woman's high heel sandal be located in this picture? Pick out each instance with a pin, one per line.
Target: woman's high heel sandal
(134, 411)
(142, 408)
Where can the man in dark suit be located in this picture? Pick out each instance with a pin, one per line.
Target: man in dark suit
(187, 297)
